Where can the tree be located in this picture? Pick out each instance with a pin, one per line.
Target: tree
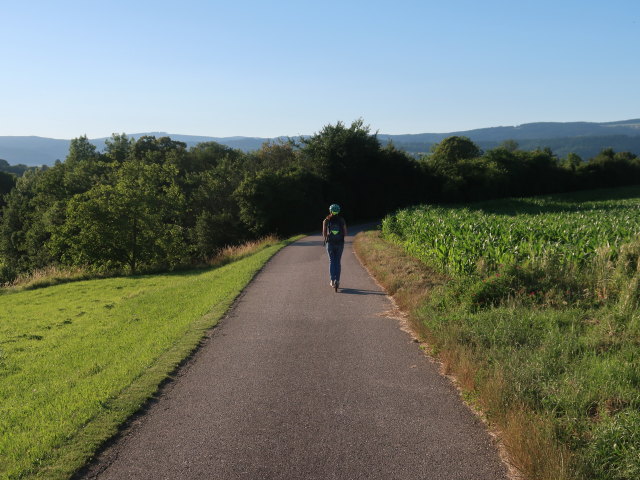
(132, 223)
(366, 179)
(17, 219)
(510, 145)
(610, 169)
(17, 170)
(572, 162)
(208, 155)
(273, 156)
(118, 147)
(150, 148)
(349, 162)
(213, 215)
(7, 182)
(280, 202)
(400, 182)
(453, 149)
(83, 167)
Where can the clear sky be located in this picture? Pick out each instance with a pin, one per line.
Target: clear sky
(269, 68)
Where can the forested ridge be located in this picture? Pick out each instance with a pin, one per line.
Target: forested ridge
(153, 203)
(586, 139)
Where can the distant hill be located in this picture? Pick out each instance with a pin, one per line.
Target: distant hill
(33, 151)
(584, 138)
(36, 151)
(586, 147)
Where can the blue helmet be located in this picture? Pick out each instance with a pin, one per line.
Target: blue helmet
(334, 209)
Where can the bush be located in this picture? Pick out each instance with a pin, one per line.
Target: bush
(7, 273)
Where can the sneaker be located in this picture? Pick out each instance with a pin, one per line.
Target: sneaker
(331, 284)
(336, 285)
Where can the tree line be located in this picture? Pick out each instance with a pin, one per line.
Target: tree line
(17, 170)
(152, 203)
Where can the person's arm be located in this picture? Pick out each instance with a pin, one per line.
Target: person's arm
(344, 227)
(324, 230)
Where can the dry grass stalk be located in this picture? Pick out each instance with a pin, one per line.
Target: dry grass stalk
(235, 252)
(48, 275)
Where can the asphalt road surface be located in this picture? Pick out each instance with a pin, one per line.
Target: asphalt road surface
(299, 382)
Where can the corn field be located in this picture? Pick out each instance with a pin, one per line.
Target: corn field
(458, 239)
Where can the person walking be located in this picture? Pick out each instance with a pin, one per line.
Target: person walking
(334, 230)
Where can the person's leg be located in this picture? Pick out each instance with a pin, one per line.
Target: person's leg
(337, 257)
(332, 262)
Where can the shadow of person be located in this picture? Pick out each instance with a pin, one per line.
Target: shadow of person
(357, 291)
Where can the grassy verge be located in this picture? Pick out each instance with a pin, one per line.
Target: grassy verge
(557, 372)
(58, 274)
(78, 359)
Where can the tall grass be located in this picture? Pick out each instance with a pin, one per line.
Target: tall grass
(48, 276)
(232, 253)
(548, 332)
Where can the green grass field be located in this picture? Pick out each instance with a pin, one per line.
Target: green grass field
(540, 318)
(77, 359)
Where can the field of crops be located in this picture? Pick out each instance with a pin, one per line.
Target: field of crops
(517, 230)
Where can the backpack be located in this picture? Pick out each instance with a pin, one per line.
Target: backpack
(335, 230)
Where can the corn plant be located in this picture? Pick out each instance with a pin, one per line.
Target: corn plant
(494, 233)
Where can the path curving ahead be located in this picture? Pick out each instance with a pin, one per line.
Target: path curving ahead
(299, 382)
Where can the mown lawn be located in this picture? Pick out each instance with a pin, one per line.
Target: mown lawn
(77, 359)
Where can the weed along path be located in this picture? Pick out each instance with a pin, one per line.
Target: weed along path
(299, 382)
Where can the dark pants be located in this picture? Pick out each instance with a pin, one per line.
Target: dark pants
(335, 253)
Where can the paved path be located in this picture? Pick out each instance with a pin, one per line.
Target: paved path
(299, 382)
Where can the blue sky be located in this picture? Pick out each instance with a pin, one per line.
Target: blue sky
(271, 68)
